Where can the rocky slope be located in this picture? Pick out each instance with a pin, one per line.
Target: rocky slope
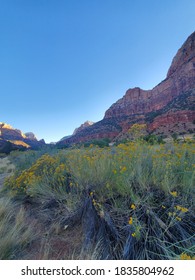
(12, 139)
(83, 126)
(167, 108)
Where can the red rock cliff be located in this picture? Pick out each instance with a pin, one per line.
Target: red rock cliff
(167, 104)
(180, 78)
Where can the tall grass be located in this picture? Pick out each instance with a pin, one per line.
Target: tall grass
(6, 166)
(15, 233)
(131, 201)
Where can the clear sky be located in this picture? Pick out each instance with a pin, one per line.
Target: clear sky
(63, 62)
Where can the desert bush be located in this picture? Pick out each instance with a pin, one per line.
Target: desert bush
(46, 176)
(133, 201)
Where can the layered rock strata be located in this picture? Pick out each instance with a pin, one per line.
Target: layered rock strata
(168, 107)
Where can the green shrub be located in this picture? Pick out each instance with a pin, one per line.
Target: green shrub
(132, 201)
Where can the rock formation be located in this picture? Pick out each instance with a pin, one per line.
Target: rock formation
(168, 107)
(12, 139)
(82, 126)
(30, 135)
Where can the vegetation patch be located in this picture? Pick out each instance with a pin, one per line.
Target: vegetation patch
(130, 201)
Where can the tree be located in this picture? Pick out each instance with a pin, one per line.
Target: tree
(137, 131)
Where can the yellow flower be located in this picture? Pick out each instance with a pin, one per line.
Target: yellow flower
(133, 234)
(178, 207)
(184, 256)
(178, 218)
(133, 206)
(94, 202)
(182, 209)
(174, 193)
(123, 169)
(163, 206)
(130, 221)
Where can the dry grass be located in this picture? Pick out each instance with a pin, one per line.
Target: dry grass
(133, 201)
(15, 233)
(6, 166)
(6, 169)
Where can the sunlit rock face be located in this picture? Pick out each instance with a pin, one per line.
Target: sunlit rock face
(17, 138)
(7, 132)
(167, 108)
(5, 125)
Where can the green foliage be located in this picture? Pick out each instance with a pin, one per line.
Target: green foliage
(174, 136)
(132, 201)
(47, 171)
(98, 142)
(137, 131)
(25, 159)
(153, 139)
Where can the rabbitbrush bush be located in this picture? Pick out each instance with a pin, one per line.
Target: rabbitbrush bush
(133, 201)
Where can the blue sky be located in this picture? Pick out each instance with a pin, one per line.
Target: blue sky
(63, 62)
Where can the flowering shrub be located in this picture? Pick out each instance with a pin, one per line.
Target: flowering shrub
(141, 193)
(47, 169)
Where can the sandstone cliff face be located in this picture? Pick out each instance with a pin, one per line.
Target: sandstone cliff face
(7, 132)
(180, 78)
(184, 55)
(17, 138)
(168, 107)
(173, 122)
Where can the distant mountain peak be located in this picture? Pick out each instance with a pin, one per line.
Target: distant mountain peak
(30, 135)
(12, 138)
(184, 55)
(5, 125)
(82, 126)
